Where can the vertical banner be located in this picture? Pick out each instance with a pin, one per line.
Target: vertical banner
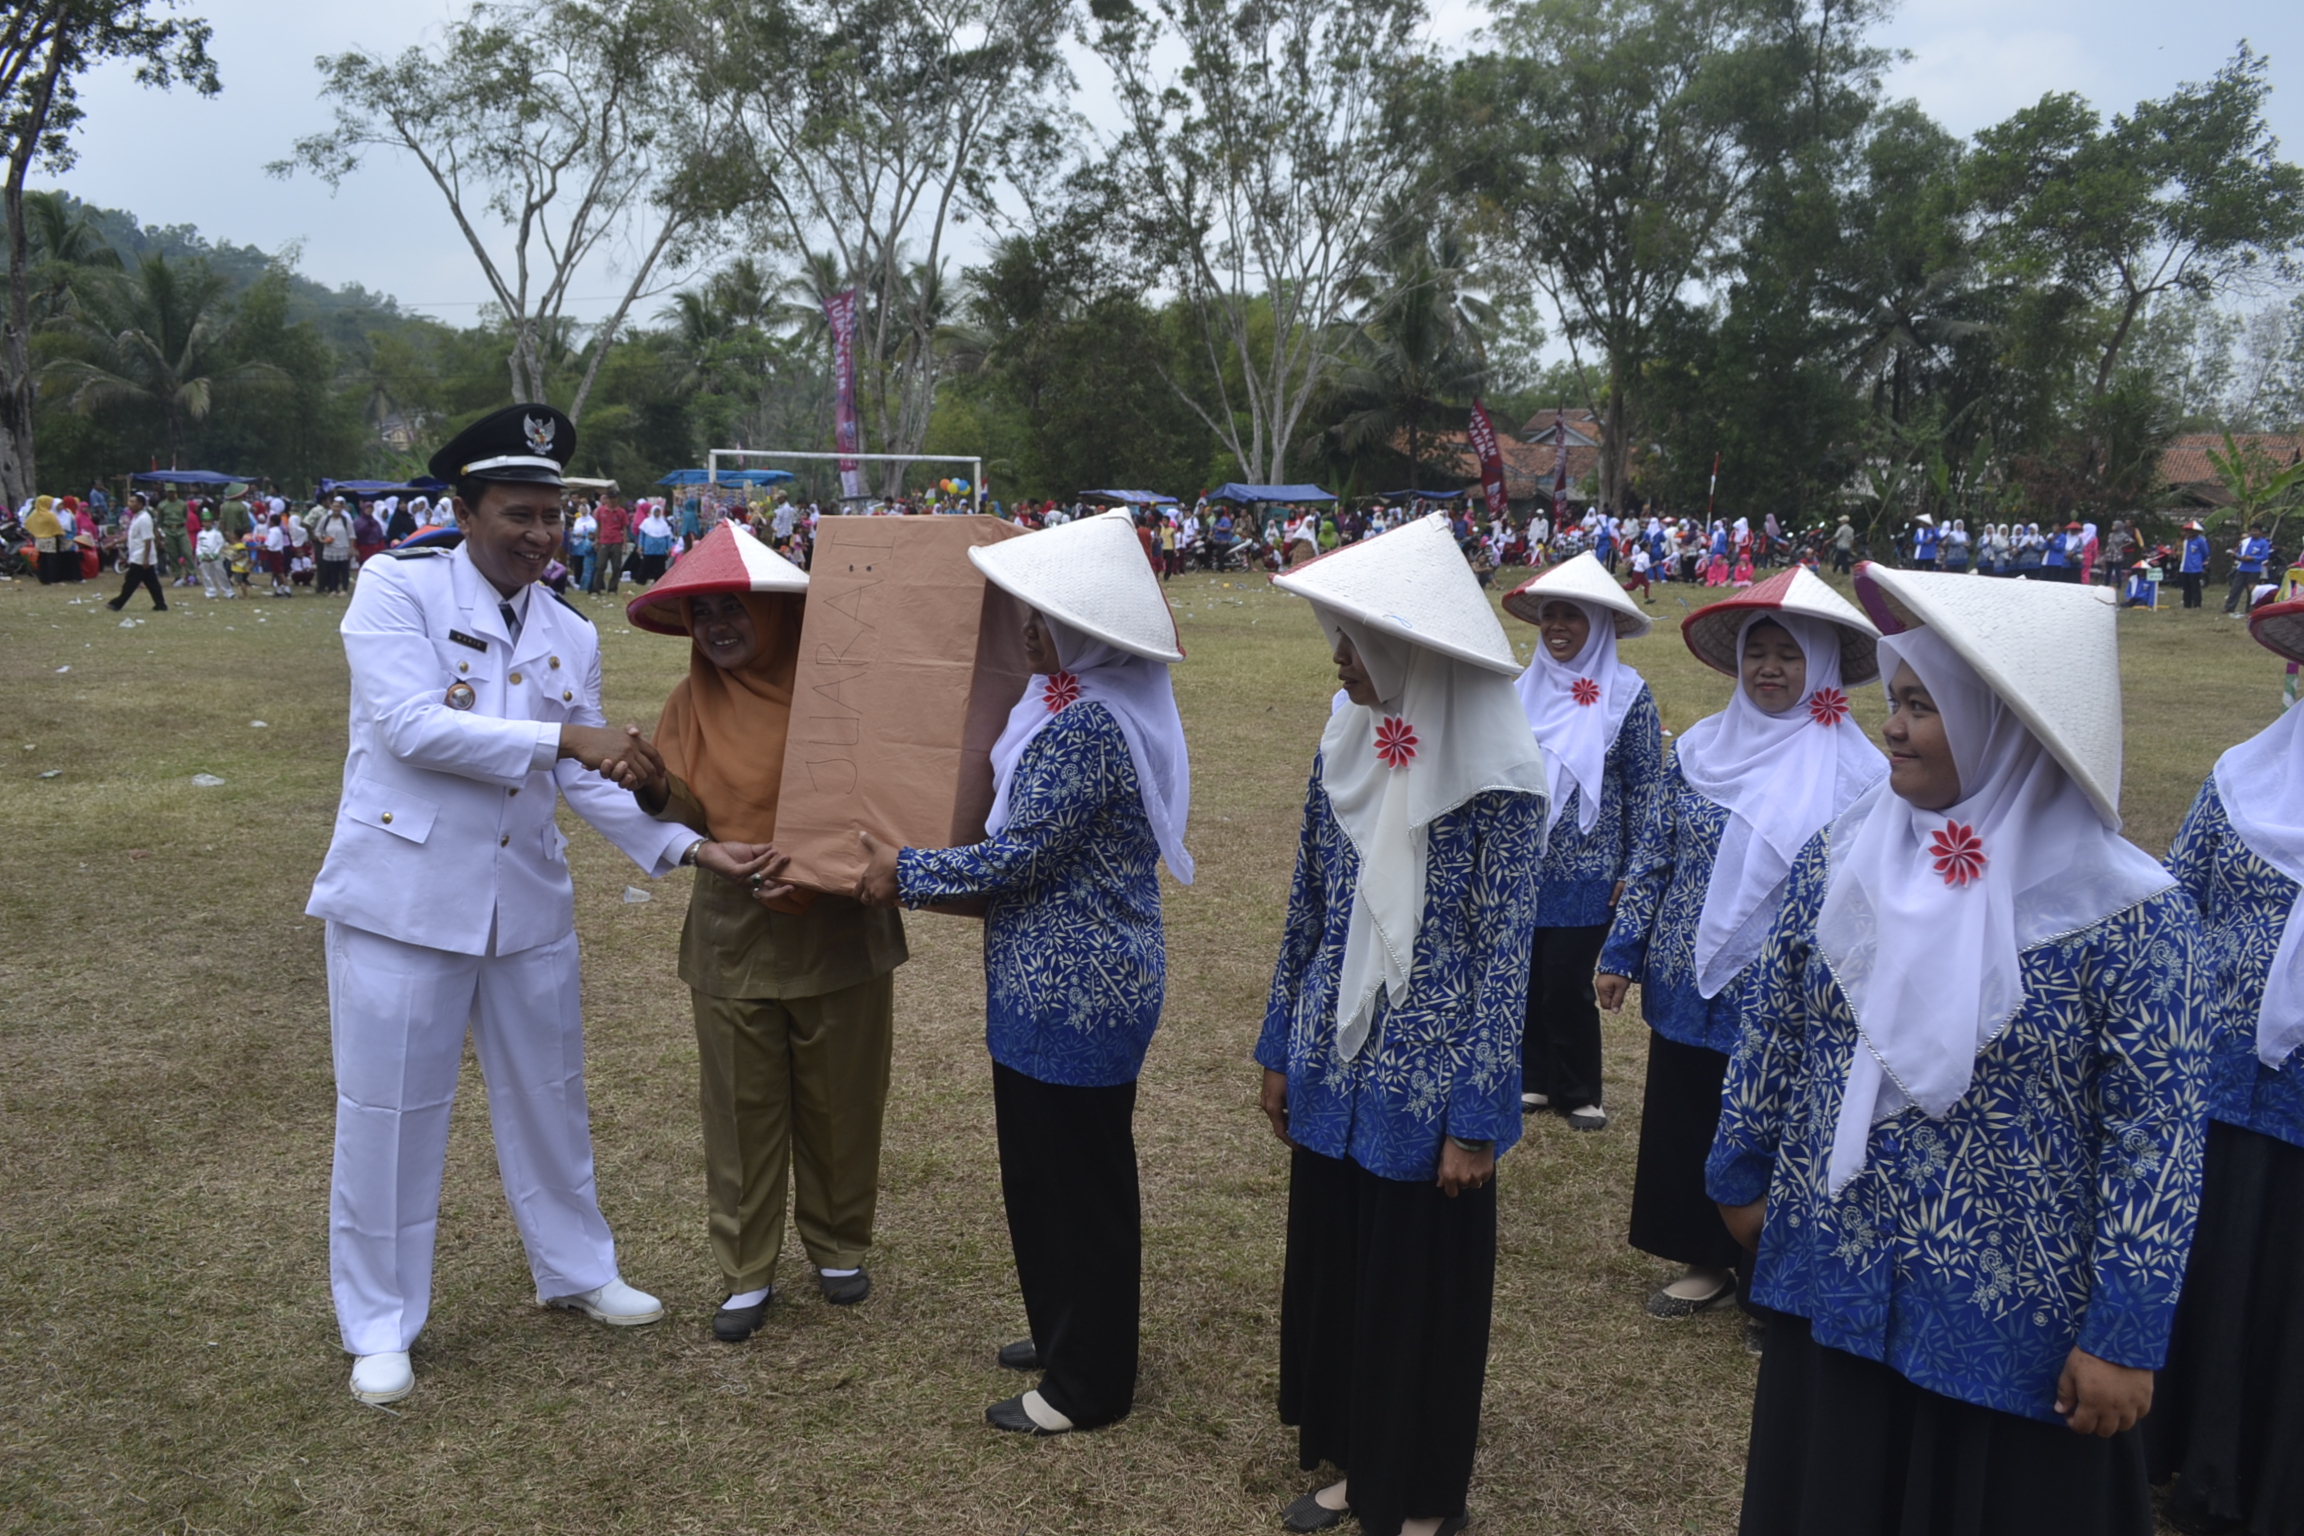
(1482, 433)
(1559, 468)
(840, 314)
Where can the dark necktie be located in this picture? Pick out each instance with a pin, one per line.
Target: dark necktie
(511, 621)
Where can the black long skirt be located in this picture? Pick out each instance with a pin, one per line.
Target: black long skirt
(1843, 1446)
(1672, 1216)
(2227, 1420)
(1384, 1313)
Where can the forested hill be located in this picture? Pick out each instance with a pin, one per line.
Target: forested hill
(346, 316)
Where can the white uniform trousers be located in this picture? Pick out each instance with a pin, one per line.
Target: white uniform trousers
(399, 1014)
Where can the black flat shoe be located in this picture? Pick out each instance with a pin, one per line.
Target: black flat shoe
(1009, 1414)
(733, 1325)
(1023, 1355)
(847, 1290)
(1307, 1513)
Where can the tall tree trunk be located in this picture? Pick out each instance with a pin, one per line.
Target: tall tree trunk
(18, 464)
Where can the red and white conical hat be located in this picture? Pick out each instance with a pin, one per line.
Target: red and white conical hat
(2279, 628)
(728, 559)
(1711, 630)
(1584, 580)
(2050, 651)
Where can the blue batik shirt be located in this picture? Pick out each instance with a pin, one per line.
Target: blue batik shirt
(1653, 939)
(1446, 1062)
(1074, 963)
(2243, 904)
(1581, 868)
(2254, 551)
(2052, 1207)
(2195, 555)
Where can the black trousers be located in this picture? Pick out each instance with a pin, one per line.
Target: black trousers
(2193, 581)
(1076, 1225)
(2227, 1420)
(144, 576)
(1843, 1446)
(2238, 589)
(1384, 1315)
(1672, 1215)
(1560, 1040)
(335, 575)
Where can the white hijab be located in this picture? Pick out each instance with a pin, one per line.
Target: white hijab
(1141, 699)
(2261, 782)
(1578, 731)
(1454, 731)
(1781, 777)
(1929, 964)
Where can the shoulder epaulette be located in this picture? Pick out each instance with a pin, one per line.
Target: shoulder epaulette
(562, 599)
(419, 552)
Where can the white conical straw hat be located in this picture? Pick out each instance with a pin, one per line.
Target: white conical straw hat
(1413, 583)
(1091, 575)
(1586, 580)
(1711, 630)
(2050, 651)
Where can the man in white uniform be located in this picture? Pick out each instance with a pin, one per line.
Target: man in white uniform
(475, 706)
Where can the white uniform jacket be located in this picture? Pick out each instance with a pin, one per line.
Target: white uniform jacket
(445, 831)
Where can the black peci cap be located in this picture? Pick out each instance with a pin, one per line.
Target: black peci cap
(530, 443)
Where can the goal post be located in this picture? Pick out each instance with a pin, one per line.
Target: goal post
(975, 464)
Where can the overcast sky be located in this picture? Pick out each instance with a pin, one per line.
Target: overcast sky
(173, 158)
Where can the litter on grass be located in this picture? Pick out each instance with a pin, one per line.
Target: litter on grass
(633, 895)
(206, 780)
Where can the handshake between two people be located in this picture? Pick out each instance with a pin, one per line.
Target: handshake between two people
(629, 760)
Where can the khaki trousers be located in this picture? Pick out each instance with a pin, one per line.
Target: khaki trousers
(799, 1082)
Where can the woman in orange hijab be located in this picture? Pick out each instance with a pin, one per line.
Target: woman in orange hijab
(794, 993)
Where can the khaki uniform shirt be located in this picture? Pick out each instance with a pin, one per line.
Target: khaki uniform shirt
(731, 946)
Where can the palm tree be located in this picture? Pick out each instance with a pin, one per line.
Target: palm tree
(68, 245)
(162, 337)
(1416, 349)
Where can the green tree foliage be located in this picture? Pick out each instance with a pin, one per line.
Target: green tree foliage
(45, 47)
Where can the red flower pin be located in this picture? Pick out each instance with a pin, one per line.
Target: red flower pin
(1584, 691)
(1959, 853)
(1827, 706)
(1062, 689)
(1395, 742)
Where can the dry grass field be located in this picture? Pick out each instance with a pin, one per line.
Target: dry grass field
(168, 1361)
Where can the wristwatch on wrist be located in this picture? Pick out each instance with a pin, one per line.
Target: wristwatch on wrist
(694, 848)
(1473, 1147)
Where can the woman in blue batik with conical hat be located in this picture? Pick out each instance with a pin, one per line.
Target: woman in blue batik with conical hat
(1390, 1044)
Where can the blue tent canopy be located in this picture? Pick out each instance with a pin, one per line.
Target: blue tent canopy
(190, 477)
(753, 477)
(1232, 492)
(1420, 495)
(1134, 498)
(422, 485)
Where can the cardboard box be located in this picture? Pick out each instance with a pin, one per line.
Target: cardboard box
(910, 662)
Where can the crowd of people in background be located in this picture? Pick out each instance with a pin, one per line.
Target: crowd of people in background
(223, 543)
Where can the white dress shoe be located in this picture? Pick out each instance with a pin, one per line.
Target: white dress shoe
(383, 1378)
(615, 1304)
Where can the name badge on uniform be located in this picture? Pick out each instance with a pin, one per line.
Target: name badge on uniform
(464, 639)
(461, 696)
